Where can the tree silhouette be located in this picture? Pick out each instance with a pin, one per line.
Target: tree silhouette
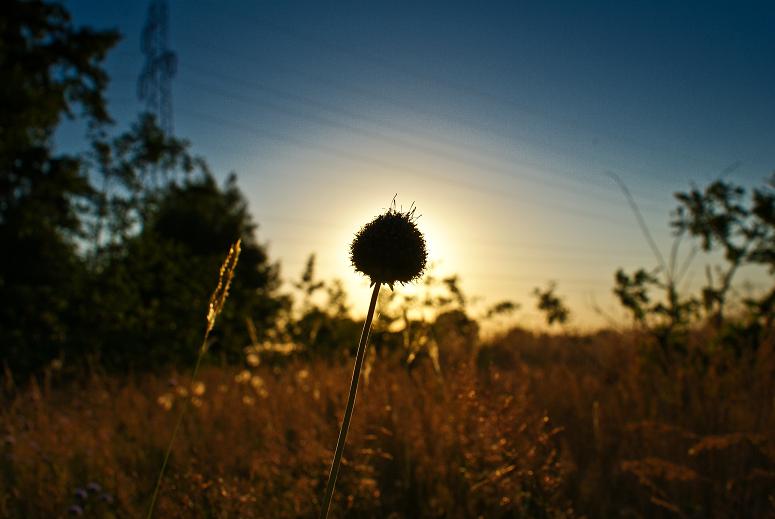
(51, 70)
(153, 293)
(745, 233)
(551, 305)
(113, 253)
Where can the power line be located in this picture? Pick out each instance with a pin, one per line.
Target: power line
(294, 142)
(318, 42)
(525, 280)
(508, 257)
(328, 150)
(394, 167)
(470, 240)
(357, 90)
(428, 150)
(351, 88)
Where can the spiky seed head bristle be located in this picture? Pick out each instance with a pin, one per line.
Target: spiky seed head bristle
(390, 248)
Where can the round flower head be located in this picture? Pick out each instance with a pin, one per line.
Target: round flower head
(390, 248)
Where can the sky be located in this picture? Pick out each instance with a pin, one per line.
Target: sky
(500, 122)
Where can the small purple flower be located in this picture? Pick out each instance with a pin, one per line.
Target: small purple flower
(81, 494)
(106, 498)
(75, 510)
(94, 487)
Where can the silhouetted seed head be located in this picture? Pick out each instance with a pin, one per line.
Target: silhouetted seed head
(390, 248)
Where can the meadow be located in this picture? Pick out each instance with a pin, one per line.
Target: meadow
(111, 248)
(523, 425)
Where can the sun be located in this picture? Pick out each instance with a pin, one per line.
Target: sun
(440, 253)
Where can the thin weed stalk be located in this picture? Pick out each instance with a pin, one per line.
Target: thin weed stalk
(360, 355)
(214, 307)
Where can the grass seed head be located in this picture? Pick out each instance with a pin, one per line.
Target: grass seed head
(221, 292)
(390, 248)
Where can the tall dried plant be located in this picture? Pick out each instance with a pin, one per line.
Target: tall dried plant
(388, 249)
(214, 308)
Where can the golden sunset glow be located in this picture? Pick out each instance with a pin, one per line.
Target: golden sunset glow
(411, 260)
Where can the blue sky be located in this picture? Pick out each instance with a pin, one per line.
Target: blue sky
(499, 121)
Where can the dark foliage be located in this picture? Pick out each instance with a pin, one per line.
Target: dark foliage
(50, 70)
(744, 233)
(551, 305)
(151, 299)
(110, 254)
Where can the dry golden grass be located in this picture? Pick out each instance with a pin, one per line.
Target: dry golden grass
(554, 427)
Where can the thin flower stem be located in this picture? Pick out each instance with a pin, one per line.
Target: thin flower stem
(214, 307)
(348, 413)
(183, 410)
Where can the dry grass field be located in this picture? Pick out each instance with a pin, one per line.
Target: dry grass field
(601, 177)
(523, 426)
